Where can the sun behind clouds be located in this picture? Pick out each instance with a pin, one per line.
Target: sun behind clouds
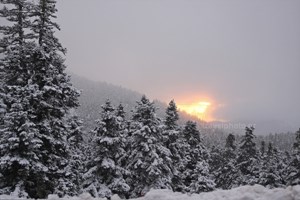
(199, 109)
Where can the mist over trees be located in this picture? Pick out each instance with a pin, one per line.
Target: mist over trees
(45, 148)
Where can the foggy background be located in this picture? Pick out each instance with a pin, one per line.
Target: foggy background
(242, 55)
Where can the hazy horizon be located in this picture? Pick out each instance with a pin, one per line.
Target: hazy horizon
(242, 56)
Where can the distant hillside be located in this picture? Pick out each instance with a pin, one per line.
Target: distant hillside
(94, 94)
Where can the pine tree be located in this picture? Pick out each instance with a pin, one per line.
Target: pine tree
(173, 140)
(120, 112)
(70, 183)
(262, 148)
(195, 173)
(16, 145)
(280, 162)
(216, 159)
(226, 175)
(286, 160)
(123, 125)
(271, 168)
(293, 177)
(149, 161)
(44, 29)
(36, 96)
(247, 160)
(171, 116)
(230, 147)
(15, 44)
(264, 161)
(56, 94)
(109, 150)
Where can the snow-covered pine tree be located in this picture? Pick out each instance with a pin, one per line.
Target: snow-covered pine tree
(17, 149)
(105, 165)
(262, 148)
(173, 140)
(230, 147)
(149, 161)
(247, 160)
(195, 174)
(216, 159)
(293, 177)
(280, 164)
(56, 94)
(264, 160)
(270, 168)
(172, 116)
(36, 95)
(123, 125)
(226, 176)
(121, 113)
(70, 184)
(15, 46)
(286, 160)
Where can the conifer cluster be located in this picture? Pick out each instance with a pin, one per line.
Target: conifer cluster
(43, 149)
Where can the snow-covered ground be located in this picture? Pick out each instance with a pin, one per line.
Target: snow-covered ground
(255, 192)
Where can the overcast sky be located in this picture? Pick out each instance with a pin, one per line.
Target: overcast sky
(244, 55)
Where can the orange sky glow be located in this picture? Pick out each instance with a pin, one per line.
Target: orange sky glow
(199, 107)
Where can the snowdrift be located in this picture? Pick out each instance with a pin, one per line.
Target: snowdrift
(255, 192)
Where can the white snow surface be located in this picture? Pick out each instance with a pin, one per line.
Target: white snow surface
(255, 192)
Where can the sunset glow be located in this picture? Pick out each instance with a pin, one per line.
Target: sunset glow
(199, 109)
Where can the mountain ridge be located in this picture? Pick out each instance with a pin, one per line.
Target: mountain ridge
(95, 93)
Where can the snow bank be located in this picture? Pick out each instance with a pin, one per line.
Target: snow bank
(255, 192)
